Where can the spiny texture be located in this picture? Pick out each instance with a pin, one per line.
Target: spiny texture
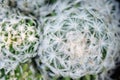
(68, 38)
(18, 40)
(27, 6)
(30, 6)
(78, 38)
(24, 71)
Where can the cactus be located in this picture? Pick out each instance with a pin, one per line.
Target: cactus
(18, 40)
(65, 39)
(25, 71)
(78, 39)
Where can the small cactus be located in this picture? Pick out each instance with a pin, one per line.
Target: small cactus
(78, 40)
(18, 40)
(25, 71)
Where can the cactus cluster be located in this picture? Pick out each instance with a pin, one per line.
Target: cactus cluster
(68, 38)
